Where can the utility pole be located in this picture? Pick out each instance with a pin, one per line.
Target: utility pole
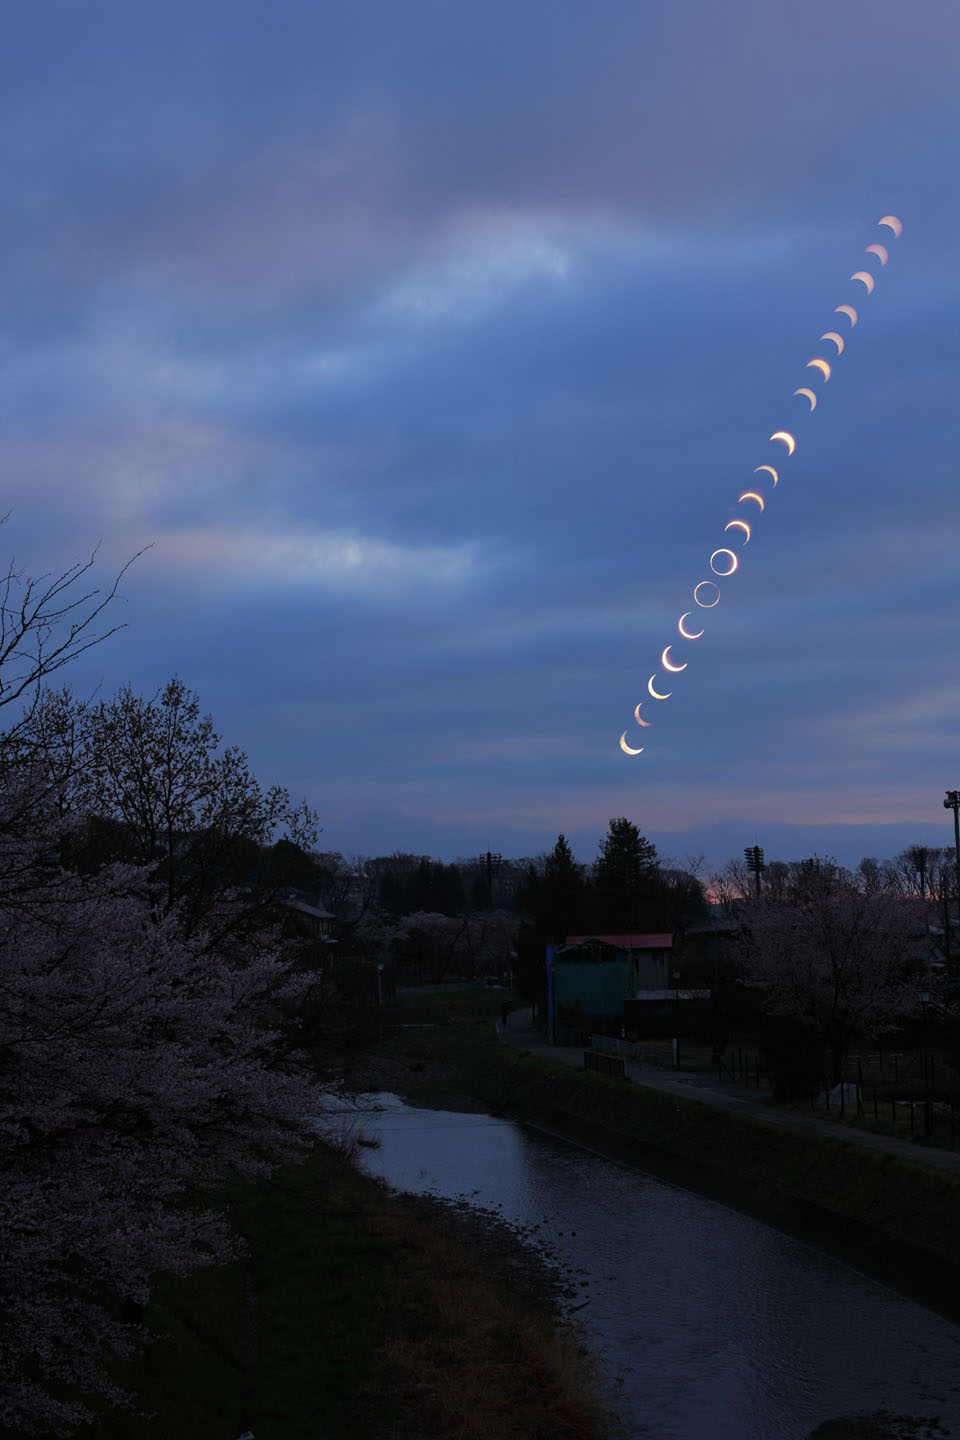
(925, 1057)
(492, 862)
(754, 858)
(952, 802)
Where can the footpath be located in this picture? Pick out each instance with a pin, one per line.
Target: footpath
(520, 1033)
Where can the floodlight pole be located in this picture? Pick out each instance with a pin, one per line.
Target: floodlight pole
(754, 858)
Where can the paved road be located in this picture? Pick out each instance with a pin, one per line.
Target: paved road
(444, 988)
(520, 1033)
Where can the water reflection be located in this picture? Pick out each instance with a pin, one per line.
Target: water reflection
(718, 1326)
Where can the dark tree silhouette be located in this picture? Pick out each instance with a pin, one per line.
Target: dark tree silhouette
(626, 879)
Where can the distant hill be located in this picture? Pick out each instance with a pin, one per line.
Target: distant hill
(382, 832)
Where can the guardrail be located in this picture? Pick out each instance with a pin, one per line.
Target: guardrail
(604, 1064)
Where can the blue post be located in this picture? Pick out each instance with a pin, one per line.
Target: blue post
(551, 1024)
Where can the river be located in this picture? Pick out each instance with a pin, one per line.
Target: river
(712, 1324)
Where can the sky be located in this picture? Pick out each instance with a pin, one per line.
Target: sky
(430, 346)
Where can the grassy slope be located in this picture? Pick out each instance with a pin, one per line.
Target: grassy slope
(367, 1320)
(282, 1343)
(354, 1315)
(900, 1203)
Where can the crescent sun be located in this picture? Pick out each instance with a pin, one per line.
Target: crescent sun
(837, 340)
(847, 310)
(895, 225)
(776, 477)
(880, 251)
(807, 395)
(743, 526)
(822, 365)
(751, 495)
(626, 748)
(667, 663)
(787, 439)
(636, 716)
(866, 277)
(688, 634)
(653, 692)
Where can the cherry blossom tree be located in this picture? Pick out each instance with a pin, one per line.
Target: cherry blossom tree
(141, 1062)
(488, 941)
(148, 781)
(839, 961)
(139, 1069)
(433, 944)
(430, 943)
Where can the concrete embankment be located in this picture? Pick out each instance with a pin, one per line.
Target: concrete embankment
(891, 1217)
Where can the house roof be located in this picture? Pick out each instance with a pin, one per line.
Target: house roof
(314, 911)
(626, 942)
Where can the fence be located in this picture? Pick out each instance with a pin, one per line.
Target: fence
(740, 1068)
(603, 1064)
(929, 1112)
(926, 1114)
(626, 1049)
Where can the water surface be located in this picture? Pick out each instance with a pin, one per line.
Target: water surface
(714, 1324)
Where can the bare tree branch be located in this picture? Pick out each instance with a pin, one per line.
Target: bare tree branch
(42, 628)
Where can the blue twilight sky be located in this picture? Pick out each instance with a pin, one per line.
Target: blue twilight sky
(430, 345)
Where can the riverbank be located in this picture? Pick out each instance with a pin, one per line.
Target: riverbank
(360, 1312)
(889, 1216)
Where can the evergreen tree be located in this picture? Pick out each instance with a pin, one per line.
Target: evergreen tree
(626, 879)
(421, 889)
(454, 898)
(562, 893)
(553, 897)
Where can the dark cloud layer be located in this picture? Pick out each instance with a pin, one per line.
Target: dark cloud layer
(431, 346)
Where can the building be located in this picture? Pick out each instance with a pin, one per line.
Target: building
(590, 977)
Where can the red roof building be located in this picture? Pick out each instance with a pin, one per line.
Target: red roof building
(626, 942)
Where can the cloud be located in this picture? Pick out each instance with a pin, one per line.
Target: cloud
(490, 256)
(331, 560)
(435, 343)
(925, 721)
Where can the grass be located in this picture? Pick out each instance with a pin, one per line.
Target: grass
(353, 1316)
(280, 1344)
(356, 1316)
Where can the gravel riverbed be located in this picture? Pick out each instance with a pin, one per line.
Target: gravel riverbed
(517, 1259)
